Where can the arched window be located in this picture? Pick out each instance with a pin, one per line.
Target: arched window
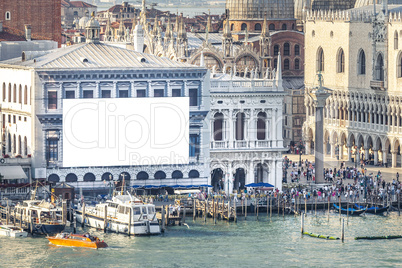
(286, 64)
(232, 27)
(19, 145)
(8, 15)
(320, 60)
(160, 175)
(399, 65)
(142, 175)
(272, 27)
(25, 146)
(297, 50)
(89, 177)
(261, 126)
(257, 27)
(276, 50)
(107, 176)
(14, 144)
(9, 143)
(379, 68)
(193, 174)
(240, 118)
(25, 95)
(297, 64)
(340, 61)
(54, 178)
(218, 127)
(396, 40)
(20, 95)
(15, 93)
(4, 91)
(284, 27)
(177, 174)
(71, 177)
(275, 63)
(3, 139)
(362, 62)
(243, 26)
(293, 26)
(286, 49)
(9, 93)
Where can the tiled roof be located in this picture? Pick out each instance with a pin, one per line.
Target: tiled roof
(90, 55)
(12, 34)
(80, 4)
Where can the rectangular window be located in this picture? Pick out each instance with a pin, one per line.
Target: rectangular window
(176, 92)
(4, 120)
(9, 118)
(158, 93)
(88, 94)
(14, 119)
(106, 93)
(52, 100)
(19, 118)
(52, 140)
(193, 94)
(141, 93)
(194, 145)
(123, 93)
(25, 119)
(70, 94)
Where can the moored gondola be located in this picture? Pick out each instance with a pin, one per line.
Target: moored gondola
(373, 209)
(350, 211)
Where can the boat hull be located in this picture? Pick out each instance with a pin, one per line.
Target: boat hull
(76, 243)
(48, 229)
(137, 228)
(351, 211)
(5, 231)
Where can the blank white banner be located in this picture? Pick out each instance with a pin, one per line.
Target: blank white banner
(126, 131)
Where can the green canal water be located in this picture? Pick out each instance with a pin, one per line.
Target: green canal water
(247, 243)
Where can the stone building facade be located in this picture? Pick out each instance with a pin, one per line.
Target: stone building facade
(44, 16)
(358, 52)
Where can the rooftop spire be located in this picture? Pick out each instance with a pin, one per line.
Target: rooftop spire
(265, 30)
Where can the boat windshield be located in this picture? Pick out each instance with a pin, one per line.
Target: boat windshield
(137, 211)
(144, 210)
(151, 210)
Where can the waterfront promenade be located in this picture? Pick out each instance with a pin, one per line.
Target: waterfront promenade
(388, 174)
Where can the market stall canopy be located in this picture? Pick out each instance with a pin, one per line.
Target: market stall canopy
(12, 172)
(259, 185)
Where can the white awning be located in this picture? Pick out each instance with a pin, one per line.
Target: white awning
(12, 172)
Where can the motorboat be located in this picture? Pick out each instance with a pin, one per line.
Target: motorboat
(42, 217)
(12, 231)
(77, 240)
(123, 214)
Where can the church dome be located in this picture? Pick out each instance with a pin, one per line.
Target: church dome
(92, 23)
(362, 3)
(256, 9)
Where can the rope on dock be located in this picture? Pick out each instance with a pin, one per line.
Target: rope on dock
(321, 236)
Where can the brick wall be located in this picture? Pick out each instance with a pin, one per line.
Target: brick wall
(43, 15)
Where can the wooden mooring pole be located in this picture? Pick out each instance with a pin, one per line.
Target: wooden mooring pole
(302, 223)
(194, 205)
(83, 214)
(343, 230)
(399, 204)
(104, 220)
(163, 219)
(130, 215)
(316, 205)
(205, 210)
(184, 214)
(245, 208)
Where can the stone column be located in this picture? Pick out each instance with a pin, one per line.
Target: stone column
(332, 150)
(384, 157)
(114, 91)
(357, 158)
(366, 153)
(231, 129)
(340, 151)
(349, 153)
(375, 157)
(133, 92)
(308, 147)
(97, 90)
(393, 158)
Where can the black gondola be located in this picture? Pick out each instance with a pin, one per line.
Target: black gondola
(373, 210)
(350, 211)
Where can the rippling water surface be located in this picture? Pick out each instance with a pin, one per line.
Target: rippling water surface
(249, 243)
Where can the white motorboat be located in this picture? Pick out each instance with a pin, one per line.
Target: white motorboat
(12, 231)
(143, 219)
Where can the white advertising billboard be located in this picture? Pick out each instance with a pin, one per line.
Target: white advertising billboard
(125, 131)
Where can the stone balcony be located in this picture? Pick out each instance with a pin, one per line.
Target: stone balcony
(243, 144)
(379, 85)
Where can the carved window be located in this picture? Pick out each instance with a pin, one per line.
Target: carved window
(320, 60)
(297, 50)
(261, 126)
(218, 127)
(272, 27)
(257, 27)
(399, 65)
(297, 64)
(286, 49)
(286, 64)
(396, 40)
(284, 27)
(340, 61)
(379, 68)
(240, 121)
(243, 26)
(362, 62)
(8, 15)
(276, 50)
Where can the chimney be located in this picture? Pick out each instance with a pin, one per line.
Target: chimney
(28, 32)
(1, 26)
